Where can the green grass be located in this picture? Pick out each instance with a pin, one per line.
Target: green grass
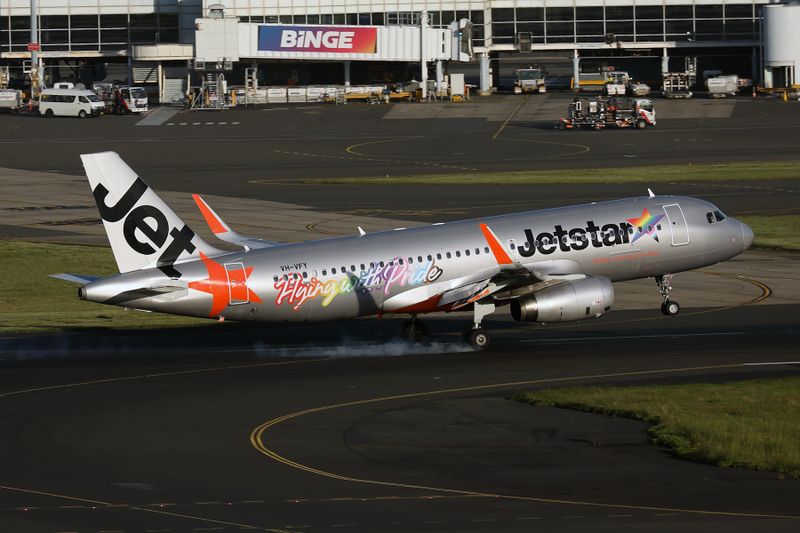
(775, 231)
(644, 174)
(30, 301)
(746, 424)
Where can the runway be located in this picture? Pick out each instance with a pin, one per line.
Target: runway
(341, 427)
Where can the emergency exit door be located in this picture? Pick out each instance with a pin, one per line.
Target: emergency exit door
(238, 292)
(677, 224)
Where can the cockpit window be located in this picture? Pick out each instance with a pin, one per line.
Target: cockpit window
(719, 216)
(710, 217)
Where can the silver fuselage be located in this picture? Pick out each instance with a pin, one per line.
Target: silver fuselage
(403, 271)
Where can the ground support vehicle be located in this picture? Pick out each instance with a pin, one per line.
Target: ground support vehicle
(79, 103)
(604, 112)
(722, 86)
(529, 80)
(122, 99)
(10, 99)
(677, 85)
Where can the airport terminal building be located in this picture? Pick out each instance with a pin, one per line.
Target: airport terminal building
(153, 41)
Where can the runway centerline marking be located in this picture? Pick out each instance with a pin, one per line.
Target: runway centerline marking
(258, 442)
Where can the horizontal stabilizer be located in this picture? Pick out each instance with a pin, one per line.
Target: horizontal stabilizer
(224, 233)
(83, 279)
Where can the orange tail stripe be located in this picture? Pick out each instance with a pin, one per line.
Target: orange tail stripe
(213, 222)
(499, 253)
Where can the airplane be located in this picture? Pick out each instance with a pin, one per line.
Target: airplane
(551, 265)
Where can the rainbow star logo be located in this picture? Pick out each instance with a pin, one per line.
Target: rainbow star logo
(647, 223)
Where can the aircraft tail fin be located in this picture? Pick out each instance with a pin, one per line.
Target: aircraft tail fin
(144, 232)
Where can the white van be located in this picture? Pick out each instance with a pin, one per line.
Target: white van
(70, 103)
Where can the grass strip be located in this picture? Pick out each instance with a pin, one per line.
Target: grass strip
(745, 424)
(30, 301)
(774, 231)
(768, 170)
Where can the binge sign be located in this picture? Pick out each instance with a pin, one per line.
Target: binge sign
(338, 39)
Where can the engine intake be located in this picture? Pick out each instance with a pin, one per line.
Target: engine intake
(566, 302)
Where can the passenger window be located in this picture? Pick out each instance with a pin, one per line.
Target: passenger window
(430, 257)
(305, 274)
(362, 266)
(324, 272)
(381, 263)
(410, 260)
(285, 277)
(477, 251)
(275, 279)
(352, 268)
(400, 261)
(466, 252)
(486, 249)
(458, 253)
(419, 258)
(69, 99)
(512, 246)
(333, 270)
(658, 226)
(84, 100)
(449, 255)
(438, 256)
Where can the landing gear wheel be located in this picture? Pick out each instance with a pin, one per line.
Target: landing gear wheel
(478, 338)
(670, 308)
(414, 331)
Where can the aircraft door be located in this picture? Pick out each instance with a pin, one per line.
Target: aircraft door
(238, 292)
(677, 224)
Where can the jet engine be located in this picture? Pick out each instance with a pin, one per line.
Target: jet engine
(565, 302)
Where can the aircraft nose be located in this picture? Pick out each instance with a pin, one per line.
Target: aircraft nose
(747, 236)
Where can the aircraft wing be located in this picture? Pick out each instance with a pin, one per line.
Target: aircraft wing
(224, 233)
(509, 279)
(75, 278)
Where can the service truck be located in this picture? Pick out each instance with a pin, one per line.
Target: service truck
(529, 80)
(122, 99)
(603, 112)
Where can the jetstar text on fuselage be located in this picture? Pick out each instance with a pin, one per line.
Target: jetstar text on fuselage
(317, 39)
(575, 239)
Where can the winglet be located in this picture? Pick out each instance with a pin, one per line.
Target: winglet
(650, 192)
(361, 231)
(212, 219)
(500, 254)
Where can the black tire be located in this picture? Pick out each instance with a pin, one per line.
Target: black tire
(641, 124)
(414, 331)
(478, 338)
(49, 113)
(670, 308)
(81, 114)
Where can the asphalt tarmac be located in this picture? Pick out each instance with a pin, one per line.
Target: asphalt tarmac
(342, 427)
(339, 427)
(258, 152)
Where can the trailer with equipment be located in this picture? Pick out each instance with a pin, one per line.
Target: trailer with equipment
(122, 99)
(603, 112)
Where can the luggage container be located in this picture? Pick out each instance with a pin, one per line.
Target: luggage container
(10, 99)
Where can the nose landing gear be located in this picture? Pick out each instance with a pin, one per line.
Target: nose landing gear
(669, 307)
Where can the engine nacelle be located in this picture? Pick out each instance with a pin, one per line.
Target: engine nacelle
(566, 302)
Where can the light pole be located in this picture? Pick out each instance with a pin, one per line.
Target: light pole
(33, 46)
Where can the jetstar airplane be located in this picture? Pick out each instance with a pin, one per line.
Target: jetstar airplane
(552, 265)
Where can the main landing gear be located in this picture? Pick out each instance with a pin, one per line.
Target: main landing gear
(476, 336)
(414, 330)
(669, 307)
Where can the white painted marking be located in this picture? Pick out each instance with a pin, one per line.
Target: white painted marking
(222, 123)
(572, 516)
(620, 515)
(195, 123)
(483, 519)
(184, 123)
(773, 363)
(170, 123)
(209, 123)
(235, 123)
(528, 518)
(623, 337)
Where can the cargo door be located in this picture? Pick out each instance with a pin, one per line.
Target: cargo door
(677, 224)
(238, 292)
